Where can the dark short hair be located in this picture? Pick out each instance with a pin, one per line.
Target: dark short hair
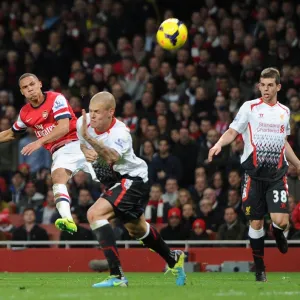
(27, 75)
(28, 209)
(271, 73)
(18, 173)
(227, 207)
(164, 138)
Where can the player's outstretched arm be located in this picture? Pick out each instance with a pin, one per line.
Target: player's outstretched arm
(227, 138)
(7, 135)
(59, 131)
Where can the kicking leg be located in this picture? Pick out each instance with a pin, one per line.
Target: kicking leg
(98, 216)
(60, 178)
(257, 242)
(150, 237)
(280, 224)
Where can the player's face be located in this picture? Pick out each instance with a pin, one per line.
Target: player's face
(30, 87)
(269, 89)
(100, 116)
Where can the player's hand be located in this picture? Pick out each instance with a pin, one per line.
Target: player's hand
(91, 155)
(84, 128)
(215, 150)
(30, 148)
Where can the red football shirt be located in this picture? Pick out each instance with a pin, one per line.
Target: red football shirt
(43, 118)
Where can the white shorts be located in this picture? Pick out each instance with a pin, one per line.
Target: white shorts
(70, 157)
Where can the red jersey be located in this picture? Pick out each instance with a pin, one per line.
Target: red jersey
(43, 118)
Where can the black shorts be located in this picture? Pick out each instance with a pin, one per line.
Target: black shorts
(262, 197)
(129, 198)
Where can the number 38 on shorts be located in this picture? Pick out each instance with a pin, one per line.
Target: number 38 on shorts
(262, 197)
(279, 196)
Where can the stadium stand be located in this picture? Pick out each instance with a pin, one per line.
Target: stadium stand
(176, 104)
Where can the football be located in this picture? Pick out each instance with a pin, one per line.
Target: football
(171, 34)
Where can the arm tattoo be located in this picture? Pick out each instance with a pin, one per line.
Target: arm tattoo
(108, 154)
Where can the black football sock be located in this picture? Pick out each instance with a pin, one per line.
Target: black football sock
(154, 241)
(277, 230)
(257, 242)
(106, 238)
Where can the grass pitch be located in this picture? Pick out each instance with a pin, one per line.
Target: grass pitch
(148, 286)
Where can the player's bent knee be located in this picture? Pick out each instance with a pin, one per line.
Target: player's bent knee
(94, 214)
(257, 224)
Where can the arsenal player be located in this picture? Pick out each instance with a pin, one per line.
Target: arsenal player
(54, 123)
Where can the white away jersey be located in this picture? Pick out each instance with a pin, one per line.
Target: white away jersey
(264, 129)
(118, 138)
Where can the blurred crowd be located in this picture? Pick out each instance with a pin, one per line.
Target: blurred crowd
(176, 104)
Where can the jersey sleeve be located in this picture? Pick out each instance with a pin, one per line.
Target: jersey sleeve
(78, 128)
(120, 141)
(19, 126)
(240, 121)
(61, 108)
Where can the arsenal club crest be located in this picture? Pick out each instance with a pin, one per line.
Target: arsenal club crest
(45, 114)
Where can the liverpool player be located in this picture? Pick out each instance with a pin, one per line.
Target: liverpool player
(126, 179)
(264, 125)
(54, 123)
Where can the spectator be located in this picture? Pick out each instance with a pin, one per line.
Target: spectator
(39, 159)
(199, 231)
(198, 188)
(129, 116)
(218, 185)
(148, 152)
(46, 214)
(31, 198)
(220, 160)
(174, 231)
(79, 181)
(164, 165)
(292, 204)
(172, 94)
(234, 179)
(233, 229)
(8, 152)
(136, 86)
(184, 197)
(293, 182)
(188, 216)
(171, 192)
(17, 190)
(82, 234)
(296, 216)
(85, 201)
(186, 151)
(30, 231)
(156, 210)
(205, 211)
